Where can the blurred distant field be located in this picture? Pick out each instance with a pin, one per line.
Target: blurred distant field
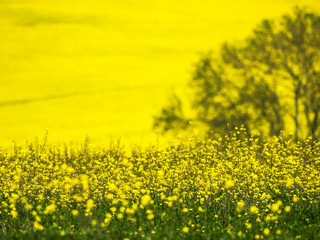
(105, 67)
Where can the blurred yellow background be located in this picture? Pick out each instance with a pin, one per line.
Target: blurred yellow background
(105, 67)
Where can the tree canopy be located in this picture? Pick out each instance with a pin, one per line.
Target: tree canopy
(267, 82)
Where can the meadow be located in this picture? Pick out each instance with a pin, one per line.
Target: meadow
(232, 187)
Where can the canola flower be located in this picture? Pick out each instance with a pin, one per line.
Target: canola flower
(200, 185)
(254, 210)
(240, 205)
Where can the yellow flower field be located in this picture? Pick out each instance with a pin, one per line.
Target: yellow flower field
(106, 67)
(231, 187)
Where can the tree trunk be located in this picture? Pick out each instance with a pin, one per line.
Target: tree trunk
(296, 104)
(315, 124)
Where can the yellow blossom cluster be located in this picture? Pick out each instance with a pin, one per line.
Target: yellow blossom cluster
(248, 172)
(196, 168)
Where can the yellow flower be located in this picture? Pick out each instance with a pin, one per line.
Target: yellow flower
(75, 212)
(90, 204)
(14, 213)
(112, 187)
(38, 226)
(130, 211)
(185, 229)
(275, 207)
(185, 210)
(50, 209)
(146, 200)
(287, 209)
(254, 210)
(289, 183)
(240, 205)
(266, 231)
(248, 225)
(161, 173)
(94, 222)
(229, 184)
(109, 196)
(113, 209)
(107, 220)
(200, 209)
(28, 207)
